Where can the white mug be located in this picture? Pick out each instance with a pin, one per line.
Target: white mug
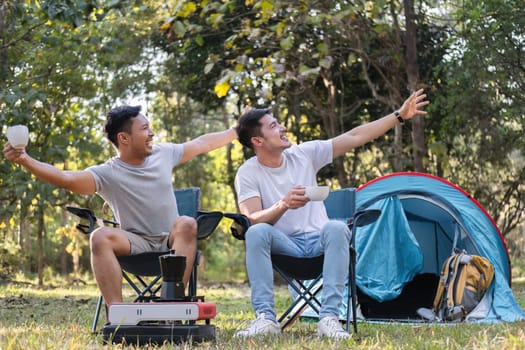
(18, 136)
(316, 193)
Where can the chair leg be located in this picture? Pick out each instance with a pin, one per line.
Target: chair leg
(97, 314)
(349, 299)
(353, 288)
(148, 291)
(192, 284)
(306, 296)
(351, 302)
(361, 218)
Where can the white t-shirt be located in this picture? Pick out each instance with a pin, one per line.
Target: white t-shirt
(141, 197)
(300, 166)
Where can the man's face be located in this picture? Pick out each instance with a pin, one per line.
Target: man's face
(273, 134)
(141, 136)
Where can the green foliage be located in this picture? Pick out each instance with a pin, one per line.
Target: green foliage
(477, 128)
(10, 261)
(325, 67)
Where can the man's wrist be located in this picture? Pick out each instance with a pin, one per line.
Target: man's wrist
(232, 133)
(281, 205)
(399, 117)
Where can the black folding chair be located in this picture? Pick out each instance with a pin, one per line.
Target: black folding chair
(304, 275)
(142, 271)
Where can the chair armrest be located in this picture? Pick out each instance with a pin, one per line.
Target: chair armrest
(89, 215)
(85, 214)
(207, 222)
(364, 217)
(240, 225)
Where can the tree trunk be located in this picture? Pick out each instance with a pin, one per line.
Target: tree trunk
(25, 233)
(331, 124)
(63, 245)
(3, 39)
(40, 246)
(412, 69)
(76, 261)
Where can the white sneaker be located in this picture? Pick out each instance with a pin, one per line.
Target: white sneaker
(329, 326)
(261, 326)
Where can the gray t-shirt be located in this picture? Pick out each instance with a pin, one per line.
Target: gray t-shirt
(300, 166)
(141, 197)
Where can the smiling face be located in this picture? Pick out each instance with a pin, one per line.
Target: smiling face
(273, 135)
(137, 143)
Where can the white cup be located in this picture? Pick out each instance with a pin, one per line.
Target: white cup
(316, 193)
(18, 136)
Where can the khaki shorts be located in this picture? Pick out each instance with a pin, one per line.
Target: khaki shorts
(147, 243)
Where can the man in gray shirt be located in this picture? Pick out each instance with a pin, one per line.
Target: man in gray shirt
(137, 185)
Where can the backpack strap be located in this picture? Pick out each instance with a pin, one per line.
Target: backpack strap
(458, 287)
(443, 283)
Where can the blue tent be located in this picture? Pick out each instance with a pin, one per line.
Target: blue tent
(400, 256)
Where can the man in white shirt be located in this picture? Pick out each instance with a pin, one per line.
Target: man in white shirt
(270, 189)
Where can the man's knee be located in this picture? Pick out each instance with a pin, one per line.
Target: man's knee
(336, 225)
(185, 226)
(100, 238)
(337, 231)
(259, 232)
(107, 238)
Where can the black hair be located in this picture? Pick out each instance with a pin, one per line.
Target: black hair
(119, 119)
(249, 125)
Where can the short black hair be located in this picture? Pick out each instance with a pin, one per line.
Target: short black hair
(249, 125)
(119, 119)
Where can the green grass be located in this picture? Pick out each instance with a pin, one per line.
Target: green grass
(60, 318)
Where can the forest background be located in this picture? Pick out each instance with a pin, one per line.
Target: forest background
(322, 66)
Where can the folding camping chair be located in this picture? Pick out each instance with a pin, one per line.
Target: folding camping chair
(142, 271)
(340, 205)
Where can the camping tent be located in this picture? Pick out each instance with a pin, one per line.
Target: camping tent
(400, 255)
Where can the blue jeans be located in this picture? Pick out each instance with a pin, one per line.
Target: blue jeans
(262, 240)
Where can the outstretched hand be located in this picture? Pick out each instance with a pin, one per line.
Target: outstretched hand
(413, 105)
(16, 155)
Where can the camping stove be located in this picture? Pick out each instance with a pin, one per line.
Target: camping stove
(173, 318)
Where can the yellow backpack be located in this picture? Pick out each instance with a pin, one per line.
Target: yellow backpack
(464, 280)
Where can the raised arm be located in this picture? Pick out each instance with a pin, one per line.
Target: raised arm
(367, 132)
(207, 142)
(81, 182)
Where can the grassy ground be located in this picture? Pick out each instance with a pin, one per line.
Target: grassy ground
(60, 318)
